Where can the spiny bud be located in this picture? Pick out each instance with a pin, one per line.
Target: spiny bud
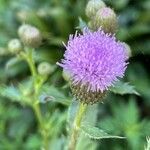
(106, 19)
(45, 68)
(93, 6)
(128, 49)
(86, 96)
(14, 46)
(30, 36)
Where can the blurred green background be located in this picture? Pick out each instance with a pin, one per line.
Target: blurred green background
(126, 115)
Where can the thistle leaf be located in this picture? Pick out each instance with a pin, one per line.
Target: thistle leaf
(123, 88)
(10, 92)
(96, 133)
(50, 93)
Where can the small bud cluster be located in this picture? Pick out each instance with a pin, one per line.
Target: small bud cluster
(101, 16)
(29, 36)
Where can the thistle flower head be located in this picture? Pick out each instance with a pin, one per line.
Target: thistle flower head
(95, 60)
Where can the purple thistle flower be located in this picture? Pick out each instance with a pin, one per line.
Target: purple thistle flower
(95, 60)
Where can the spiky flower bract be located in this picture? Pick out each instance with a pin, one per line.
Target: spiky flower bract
(95, 60)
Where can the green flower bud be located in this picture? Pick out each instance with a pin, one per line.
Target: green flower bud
(93, 6)
(45, 68)
(106, 19)
(87, 97)
(14, 46)
(30, 36)
(128, 49)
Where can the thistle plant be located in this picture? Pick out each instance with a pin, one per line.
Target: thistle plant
(95, 61)
(25, 49)
(94, 64)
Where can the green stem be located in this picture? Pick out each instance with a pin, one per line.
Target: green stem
(31, 62)
(37, 111)
(35, 105)
(76, 126)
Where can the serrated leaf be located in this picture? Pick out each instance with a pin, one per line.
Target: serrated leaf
(85, 143)
(14, 94)
(91, 116)
(10, 92)
(50, 93)
(123, 88)
(96, 133)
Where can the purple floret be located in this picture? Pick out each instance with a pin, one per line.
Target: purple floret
(95, 59)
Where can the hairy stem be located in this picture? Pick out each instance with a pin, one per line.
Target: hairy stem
(35, 105)
(37, 111)
(76, 126)
(31, 62)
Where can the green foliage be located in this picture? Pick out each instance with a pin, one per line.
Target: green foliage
(122, 115)
(96, 133)
(125, 120)
(53, 94)
(123, 88)
(11, 92)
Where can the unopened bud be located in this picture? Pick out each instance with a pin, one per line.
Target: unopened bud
(30, 36)
(14, 46)
(106, 19)
(93, 6)
(45, 68)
